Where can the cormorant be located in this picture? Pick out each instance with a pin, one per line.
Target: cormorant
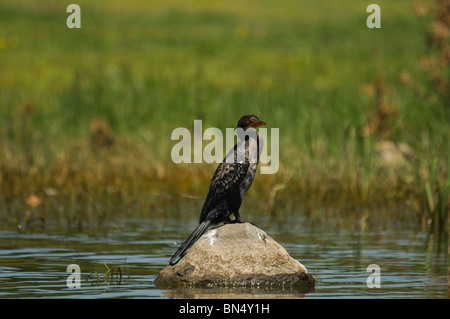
(230, 182)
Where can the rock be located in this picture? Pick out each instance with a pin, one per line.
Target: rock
(237, 255)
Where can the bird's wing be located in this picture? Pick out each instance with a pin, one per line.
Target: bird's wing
(225, 180)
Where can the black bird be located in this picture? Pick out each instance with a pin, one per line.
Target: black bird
(230, 182)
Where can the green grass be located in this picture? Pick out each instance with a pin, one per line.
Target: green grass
(146, 68)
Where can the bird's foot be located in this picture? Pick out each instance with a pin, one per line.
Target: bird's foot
(238, 221)
(229, 221)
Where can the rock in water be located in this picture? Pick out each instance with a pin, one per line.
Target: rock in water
(235, 255)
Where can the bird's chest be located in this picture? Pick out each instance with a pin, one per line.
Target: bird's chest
(248, 179)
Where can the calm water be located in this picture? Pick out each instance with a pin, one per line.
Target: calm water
(336, 252)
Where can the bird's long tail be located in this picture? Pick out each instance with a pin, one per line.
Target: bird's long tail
(196, 234)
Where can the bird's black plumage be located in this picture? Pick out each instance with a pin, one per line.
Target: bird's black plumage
(229, 184)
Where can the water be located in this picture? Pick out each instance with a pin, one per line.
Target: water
(336, 251)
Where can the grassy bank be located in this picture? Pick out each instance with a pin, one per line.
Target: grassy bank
(86, 114)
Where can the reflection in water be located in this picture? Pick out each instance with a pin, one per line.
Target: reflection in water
(336, 251)
(230, 293)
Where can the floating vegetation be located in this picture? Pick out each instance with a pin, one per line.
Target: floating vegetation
(115, 275)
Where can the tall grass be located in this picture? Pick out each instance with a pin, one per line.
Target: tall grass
(143, 68)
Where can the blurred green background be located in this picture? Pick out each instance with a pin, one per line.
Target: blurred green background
(86, 114)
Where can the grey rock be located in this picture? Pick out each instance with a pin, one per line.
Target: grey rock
(237, 255)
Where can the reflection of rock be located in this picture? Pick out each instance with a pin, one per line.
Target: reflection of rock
(237, 255)
(234, 293)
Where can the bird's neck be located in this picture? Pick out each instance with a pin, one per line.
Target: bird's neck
(246, 134)
(251, 136)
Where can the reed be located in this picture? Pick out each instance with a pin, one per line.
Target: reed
(86, 115)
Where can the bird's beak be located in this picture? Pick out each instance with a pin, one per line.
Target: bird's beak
(257, 123)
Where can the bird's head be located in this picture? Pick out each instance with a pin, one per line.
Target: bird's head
(249, 121)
